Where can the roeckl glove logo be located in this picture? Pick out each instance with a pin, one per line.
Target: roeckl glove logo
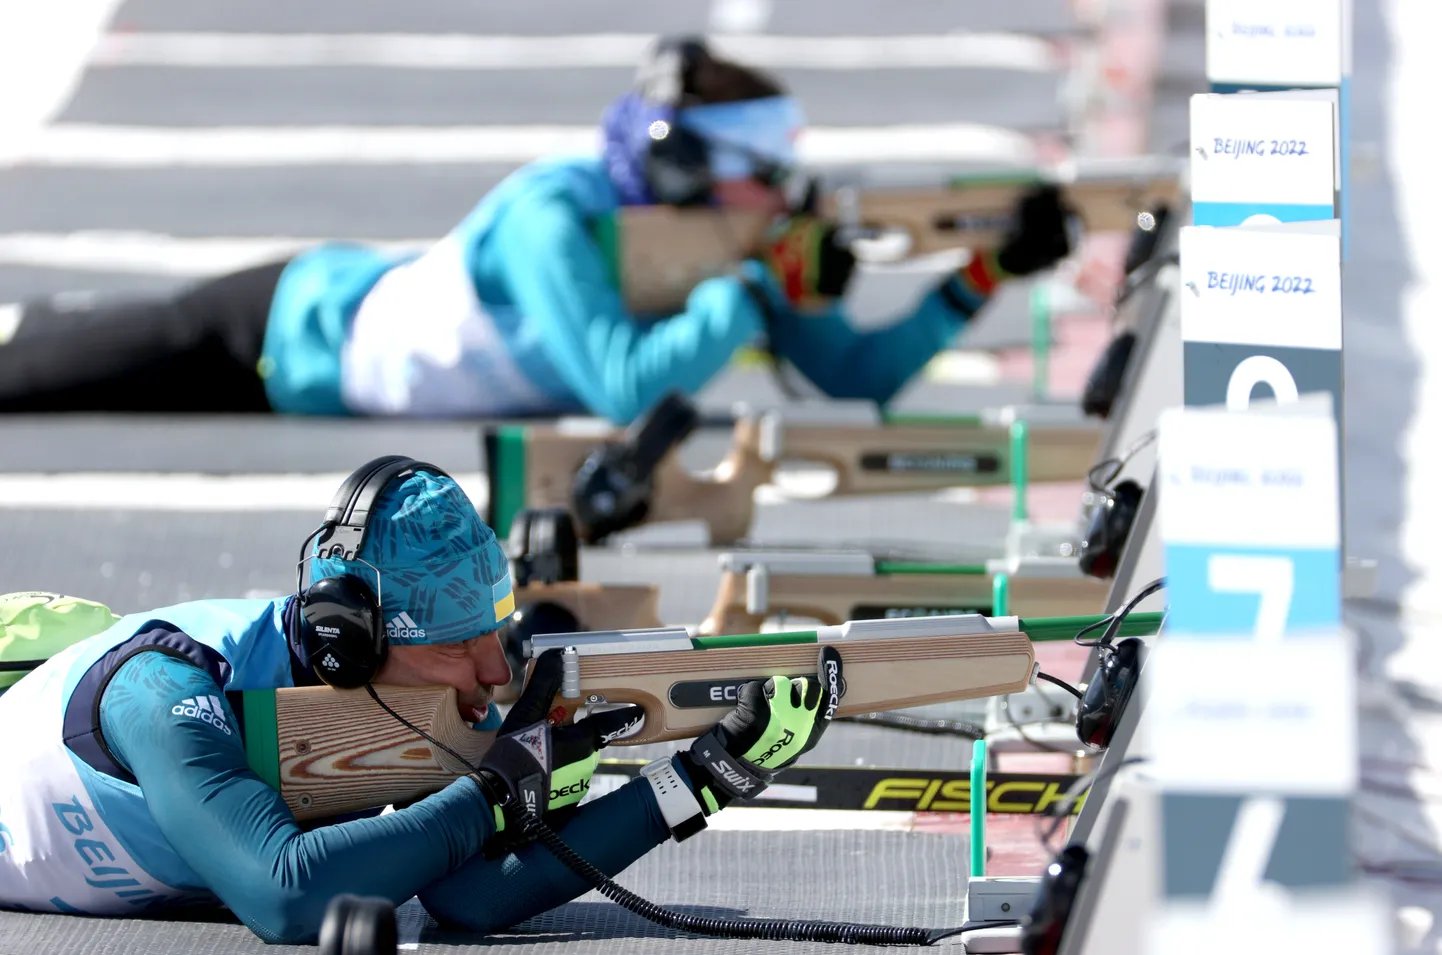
(623, 731)
(833, 689)
(780, 745)
(581, 787)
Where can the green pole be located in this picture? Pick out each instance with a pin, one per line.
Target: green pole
(1000, 599)
(1018, 470)
(1040, 338)
(978, 809)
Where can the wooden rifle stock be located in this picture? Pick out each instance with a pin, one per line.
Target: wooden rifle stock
(536, 464)
(332, 751)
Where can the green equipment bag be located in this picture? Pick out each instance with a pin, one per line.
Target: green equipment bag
(34, 626)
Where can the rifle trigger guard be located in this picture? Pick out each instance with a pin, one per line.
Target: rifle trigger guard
(570, 673)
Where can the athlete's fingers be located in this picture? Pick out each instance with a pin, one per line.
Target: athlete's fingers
(535, 699)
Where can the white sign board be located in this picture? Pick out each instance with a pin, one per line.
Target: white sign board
(1284, 43)
(1255, 148)
(1262, 286)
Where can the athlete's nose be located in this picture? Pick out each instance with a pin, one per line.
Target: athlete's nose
(492, 668)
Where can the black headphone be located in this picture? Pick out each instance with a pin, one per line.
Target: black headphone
(341, 631)
(1113, 511)
(678, 160)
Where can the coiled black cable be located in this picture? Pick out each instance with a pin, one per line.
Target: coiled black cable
(795, 930)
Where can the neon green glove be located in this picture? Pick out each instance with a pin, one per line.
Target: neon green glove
(773, 725)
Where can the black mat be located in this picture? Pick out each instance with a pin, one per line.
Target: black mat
(877, 877)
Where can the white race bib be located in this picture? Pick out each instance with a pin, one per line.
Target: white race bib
(422, 345)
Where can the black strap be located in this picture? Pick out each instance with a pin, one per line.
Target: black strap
(347, 518)
(19, 666)
(732, 774)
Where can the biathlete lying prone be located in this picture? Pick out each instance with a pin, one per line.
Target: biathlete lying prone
(127, 789)
(514, 312)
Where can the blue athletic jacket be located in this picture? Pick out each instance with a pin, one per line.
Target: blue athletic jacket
(542, 328)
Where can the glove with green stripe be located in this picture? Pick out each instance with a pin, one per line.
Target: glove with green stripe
(543, 768)
(773, 725)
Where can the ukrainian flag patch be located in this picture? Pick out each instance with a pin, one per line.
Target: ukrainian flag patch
(504, 597)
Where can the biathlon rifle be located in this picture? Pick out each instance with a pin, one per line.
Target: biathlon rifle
(660, 253)
(611, 480)
(332, 751)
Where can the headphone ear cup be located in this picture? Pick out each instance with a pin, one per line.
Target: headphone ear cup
(678, 168)
(1106, 535)
(341, 630)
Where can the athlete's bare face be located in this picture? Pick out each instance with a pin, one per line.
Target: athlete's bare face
(474, 667)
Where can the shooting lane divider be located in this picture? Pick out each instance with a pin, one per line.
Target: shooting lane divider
(1255, 837)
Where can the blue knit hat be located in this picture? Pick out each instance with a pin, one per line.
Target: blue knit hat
(443, 575)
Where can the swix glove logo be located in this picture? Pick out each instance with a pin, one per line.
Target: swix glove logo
(207, 709)
(738, 782)
(402, 627)
(781, 744)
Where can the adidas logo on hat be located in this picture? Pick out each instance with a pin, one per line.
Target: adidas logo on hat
(402, 627)
(207, 709)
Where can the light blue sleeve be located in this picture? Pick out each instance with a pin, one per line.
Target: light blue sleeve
(236, 832)
(617, 364)
(870, 364)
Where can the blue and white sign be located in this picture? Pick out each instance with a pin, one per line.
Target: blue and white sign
(1269, 155)
(1248, 521)
(1261, 313)
(1274, 44)
(1254, 652)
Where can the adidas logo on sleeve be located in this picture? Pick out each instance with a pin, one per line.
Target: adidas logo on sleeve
(402, 627)
(207, 709)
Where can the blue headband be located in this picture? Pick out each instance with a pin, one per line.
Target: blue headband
(766, 127)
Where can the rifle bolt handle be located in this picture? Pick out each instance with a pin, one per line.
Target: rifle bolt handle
(570, 673)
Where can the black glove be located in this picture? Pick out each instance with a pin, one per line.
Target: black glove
(773, 725)
(545, 770)
(1039, 236)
